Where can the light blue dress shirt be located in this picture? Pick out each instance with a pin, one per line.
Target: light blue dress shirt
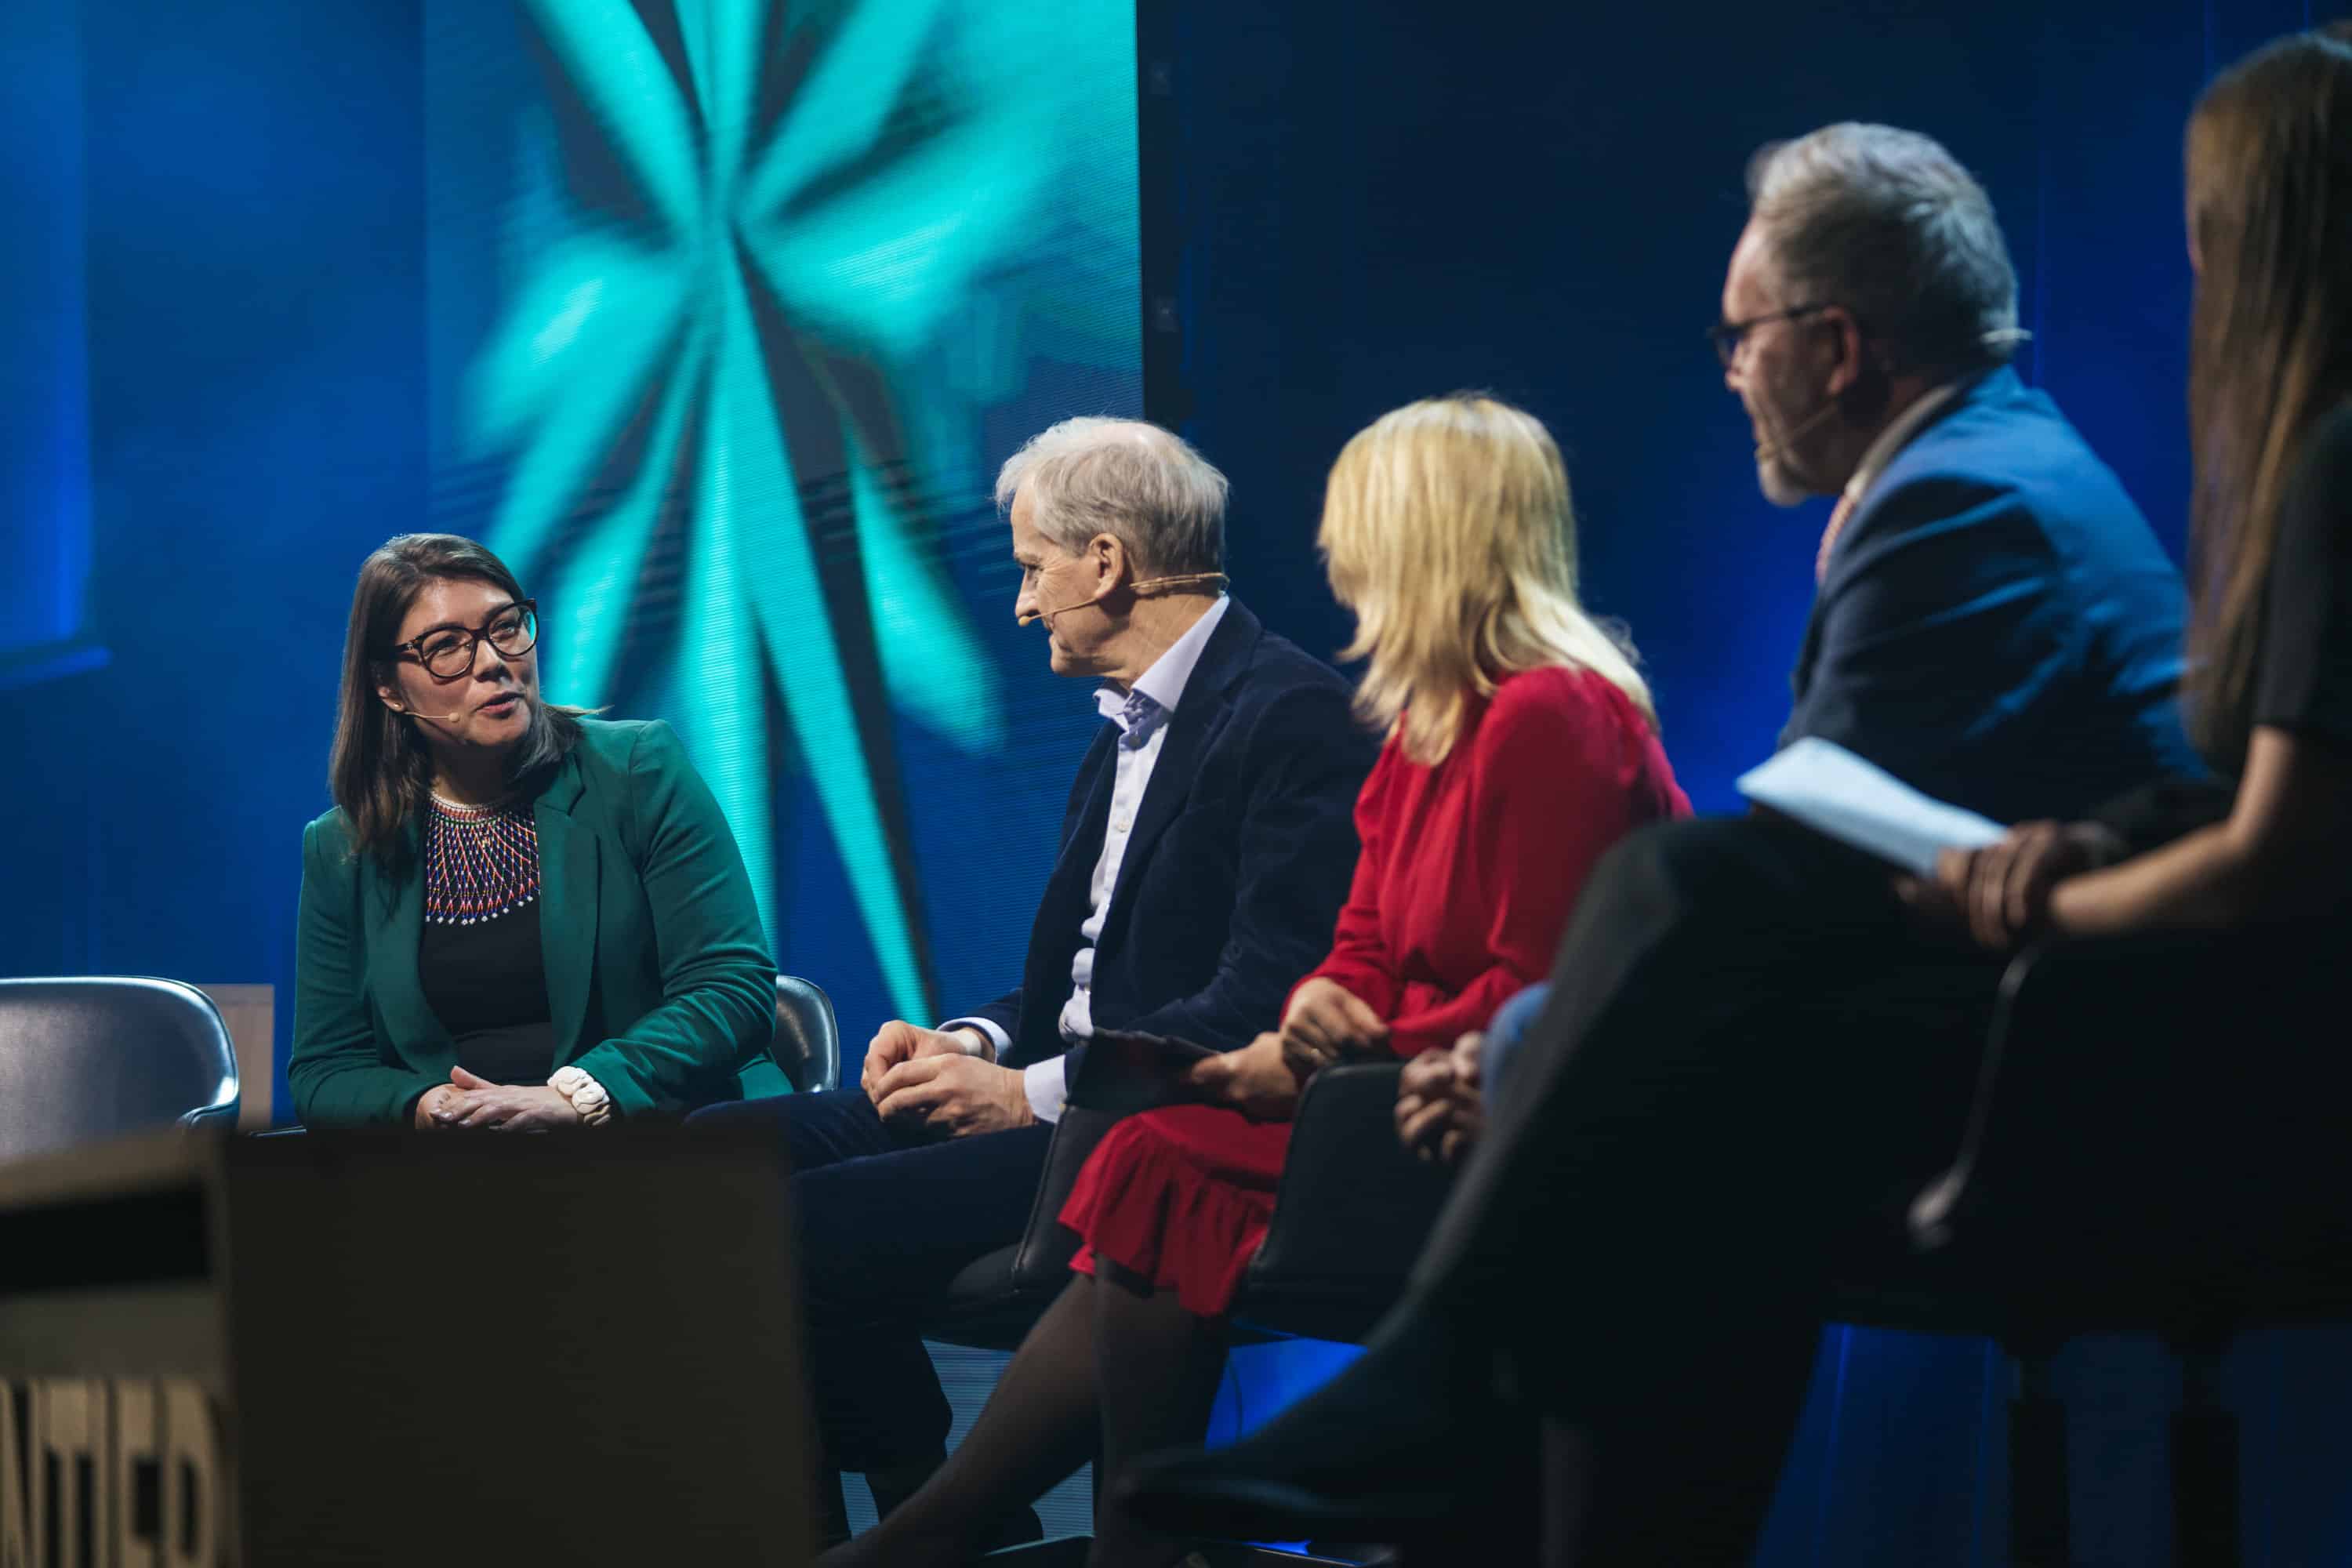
(1141, 712)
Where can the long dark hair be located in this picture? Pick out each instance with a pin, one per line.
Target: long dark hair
(380, 771)
(2269, 160)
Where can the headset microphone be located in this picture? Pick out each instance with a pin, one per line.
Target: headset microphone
(1187, 579)
(444, 718)
(1048, 616)
(1776, 445)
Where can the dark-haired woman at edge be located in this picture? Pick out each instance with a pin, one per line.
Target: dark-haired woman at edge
(1636, 1246)
(516, 916)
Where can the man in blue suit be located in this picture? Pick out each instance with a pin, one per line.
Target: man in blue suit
(1747, 1051)
(1993, 621)
(1205, 851)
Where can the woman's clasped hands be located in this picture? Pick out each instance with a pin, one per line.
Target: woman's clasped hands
(468, 1103)
(1324, 1023)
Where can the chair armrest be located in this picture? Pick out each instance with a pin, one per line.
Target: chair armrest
(1354, 1207)
(807, 1040)
(209, 1119)
(1046, 1247)
(2088, 1099)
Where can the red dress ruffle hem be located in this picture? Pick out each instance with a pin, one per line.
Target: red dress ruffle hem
(1179, 1196)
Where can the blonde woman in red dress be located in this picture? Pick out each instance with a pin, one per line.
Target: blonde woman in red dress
(1521, 744)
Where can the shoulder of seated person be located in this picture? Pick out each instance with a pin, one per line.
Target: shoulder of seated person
(1549, 696)
(1281, 666)
(1295, 706)
(1928, 485)
(329, 833)
(1556, 710)
(614, 741)
(1974, 454)
(2002, 519)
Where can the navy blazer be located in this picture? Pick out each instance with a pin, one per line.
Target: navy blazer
(1243, 849)
(1997, 625)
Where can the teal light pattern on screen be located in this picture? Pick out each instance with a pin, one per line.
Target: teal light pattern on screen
(767, 275)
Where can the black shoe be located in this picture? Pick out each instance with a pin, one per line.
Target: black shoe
(1398, 1443)
(1207, 1495)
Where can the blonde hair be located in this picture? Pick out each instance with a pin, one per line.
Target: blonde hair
(1447, 531)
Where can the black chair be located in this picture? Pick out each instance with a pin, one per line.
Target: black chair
(82, 1060)
(993, 1302)
(2112, 1181)
(807, 1042)
(1350, 1212)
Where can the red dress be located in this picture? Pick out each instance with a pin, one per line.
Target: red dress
(1467, 875)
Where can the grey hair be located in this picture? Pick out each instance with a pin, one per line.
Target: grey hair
(1144, 486)
(1887, 223)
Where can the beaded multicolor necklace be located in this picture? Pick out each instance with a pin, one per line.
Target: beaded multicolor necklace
(480, 861)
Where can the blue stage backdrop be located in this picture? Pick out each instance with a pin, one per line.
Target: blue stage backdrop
(44, 374)
(734, 311)
(715, 318)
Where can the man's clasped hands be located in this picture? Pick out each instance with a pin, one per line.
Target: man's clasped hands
(948, 1080)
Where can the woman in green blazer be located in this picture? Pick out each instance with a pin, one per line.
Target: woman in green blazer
(516, 916)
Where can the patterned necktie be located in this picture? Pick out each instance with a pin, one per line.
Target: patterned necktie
(1136, 715)
(1838, 515)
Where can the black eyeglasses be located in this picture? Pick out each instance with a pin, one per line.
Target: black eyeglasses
(1726, 336)
(447, 652)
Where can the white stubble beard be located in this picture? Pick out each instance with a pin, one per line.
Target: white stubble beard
(1780, 486)
(1780, 483)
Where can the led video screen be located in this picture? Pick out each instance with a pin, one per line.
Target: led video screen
(734, 309)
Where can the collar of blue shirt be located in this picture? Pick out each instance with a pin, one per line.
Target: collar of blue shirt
(1140, 709)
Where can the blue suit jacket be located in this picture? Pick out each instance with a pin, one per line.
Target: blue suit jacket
(1243, 849)
(1997, 625)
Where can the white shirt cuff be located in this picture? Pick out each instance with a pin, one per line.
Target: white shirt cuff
(1044, 1081)
(989, 1026)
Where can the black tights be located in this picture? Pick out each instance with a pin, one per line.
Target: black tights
(1158, 1367)
(1111, 1360)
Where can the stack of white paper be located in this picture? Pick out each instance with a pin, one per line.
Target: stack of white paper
(1831, 791)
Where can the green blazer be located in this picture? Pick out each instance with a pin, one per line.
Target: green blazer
(658, 978)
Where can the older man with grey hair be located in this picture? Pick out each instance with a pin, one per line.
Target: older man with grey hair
(1205, 852)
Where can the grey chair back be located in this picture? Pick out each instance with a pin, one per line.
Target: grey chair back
(807, 1043)
(89, 1058)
